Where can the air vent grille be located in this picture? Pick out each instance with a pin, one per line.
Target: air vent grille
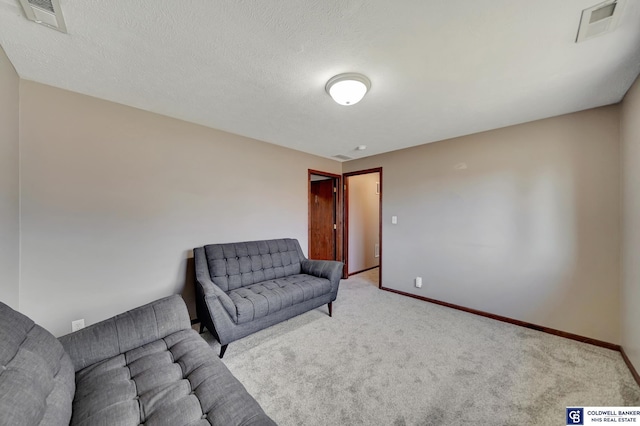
(602, 13)
(43, 4)
(45, 12)
(342, 157)
(599, 19)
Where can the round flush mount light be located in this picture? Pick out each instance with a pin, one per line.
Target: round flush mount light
(348, 88)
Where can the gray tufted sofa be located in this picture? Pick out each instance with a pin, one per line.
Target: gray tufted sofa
(244, 287)
(146, 366)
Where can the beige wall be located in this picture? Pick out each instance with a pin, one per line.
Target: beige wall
(630, 288)
(364, 223)
(115, 198)
(9, 187)
(521, 222)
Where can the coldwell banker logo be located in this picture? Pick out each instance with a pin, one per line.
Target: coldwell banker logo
(574, 416)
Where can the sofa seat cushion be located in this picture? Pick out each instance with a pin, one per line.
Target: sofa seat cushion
(265, 298)
(176, 380)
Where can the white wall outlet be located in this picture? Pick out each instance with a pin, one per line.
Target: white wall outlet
(394, 220)
(418, 282)
(77, 324)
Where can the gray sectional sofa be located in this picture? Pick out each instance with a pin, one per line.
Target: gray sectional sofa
(146, 366)
(247, 286)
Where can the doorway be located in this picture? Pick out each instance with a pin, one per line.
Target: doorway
(363, 223)
(325, 219)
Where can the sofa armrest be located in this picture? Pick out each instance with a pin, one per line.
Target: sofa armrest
(329, 269)
(213, 293)
(126, 331)
(210, 291)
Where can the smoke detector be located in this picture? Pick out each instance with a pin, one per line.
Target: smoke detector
(599, 19)
(45, 12)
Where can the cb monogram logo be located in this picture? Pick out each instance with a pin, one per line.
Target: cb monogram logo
(574, 416)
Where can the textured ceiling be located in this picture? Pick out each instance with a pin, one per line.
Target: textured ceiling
(439, 68)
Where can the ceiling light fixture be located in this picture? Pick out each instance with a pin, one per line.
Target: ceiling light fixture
(348, 88)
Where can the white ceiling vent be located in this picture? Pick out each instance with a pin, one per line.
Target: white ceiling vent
(599, 19)
(342, 157)
(45, 12)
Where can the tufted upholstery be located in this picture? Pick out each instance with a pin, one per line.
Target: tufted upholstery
(146, 366)
(126, 331)
(236, 265)
(176, 380)
(36, 375)
(267, 297)
(244, 287)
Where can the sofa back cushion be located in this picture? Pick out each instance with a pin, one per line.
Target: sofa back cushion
(37, 379)
(236, 265)
(134, 328)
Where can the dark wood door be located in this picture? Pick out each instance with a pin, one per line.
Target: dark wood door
(322, 220)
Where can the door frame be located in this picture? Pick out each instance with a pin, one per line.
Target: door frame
(346, 220)
(337, 180)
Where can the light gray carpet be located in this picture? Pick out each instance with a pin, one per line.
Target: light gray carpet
(386, 359)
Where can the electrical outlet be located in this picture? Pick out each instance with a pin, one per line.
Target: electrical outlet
(418, 282)
(77, 324)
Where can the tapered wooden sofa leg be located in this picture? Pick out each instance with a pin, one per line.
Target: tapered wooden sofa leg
(223, 349)
(330, 309)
